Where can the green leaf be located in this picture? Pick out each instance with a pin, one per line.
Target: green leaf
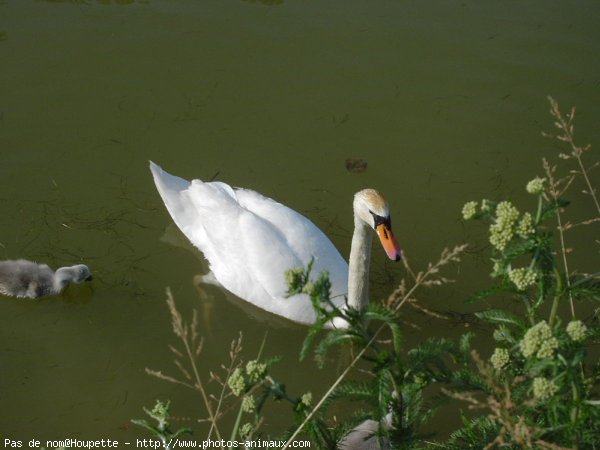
(312, 334)
(430, 350)
(469, 380)
(594, 279)
(354, 390)
(550, 209)
(476, 433)
(429, 359)
(465, 343)
(538, 366)
(586, 288)
(502, 317)
(519, 248)
(378, 312)
(181, 431)
(503, 334)
(142, 423)
(485, 293)
(333, 338)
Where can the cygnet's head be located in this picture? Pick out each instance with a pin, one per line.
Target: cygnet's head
(74, 274)
(372, 209)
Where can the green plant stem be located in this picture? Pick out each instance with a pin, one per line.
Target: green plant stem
(538, 214)
(557, 295)
(236, 425)
(530, 312)
(554, 193)
(554, 310)
(221, 398)
(200, 387)
(575, 410)
(564, 258)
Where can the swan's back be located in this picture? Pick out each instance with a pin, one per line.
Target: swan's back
(250, 242)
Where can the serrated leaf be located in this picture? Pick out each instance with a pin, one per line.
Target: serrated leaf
(538, 366)
(354, 390)
(519, 248)
(378, 312)
(502, 317)
(333, 338)
(591, 279)
(465, 342)
(431, 349)
(503, 334)
(468, 380)
(142, 423)
(312, 334)
(180, 432)
(550, 209)
(586, 288)
(480, 295)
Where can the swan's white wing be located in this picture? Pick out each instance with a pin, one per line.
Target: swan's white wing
(302, 237)
(250, 241)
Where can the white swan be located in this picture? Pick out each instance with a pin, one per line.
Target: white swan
(22, 278)
(250, 241)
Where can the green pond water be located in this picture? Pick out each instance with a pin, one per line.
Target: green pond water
(445, 100)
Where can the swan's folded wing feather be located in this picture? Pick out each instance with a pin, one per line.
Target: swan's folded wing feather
(302, 237)
(247, 254)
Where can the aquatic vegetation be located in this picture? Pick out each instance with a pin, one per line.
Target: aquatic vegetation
(246, 387)
(545, 395)
(162, 430)
(539, 388)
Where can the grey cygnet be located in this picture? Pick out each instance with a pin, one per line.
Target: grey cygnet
(21, 278)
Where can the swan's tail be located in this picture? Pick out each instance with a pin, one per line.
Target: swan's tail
(165, 182)
(172, 190)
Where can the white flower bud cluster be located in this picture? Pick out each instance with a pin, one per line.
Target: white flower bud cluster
(469, 211)
(522, 277)
(525, 226)
(502, 230)
(538, 341)
(500, 358)
(536, 186)
(577, 330)
(543, 388)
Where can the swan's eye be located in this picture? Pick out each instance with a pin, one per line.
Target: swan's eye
(379, 220)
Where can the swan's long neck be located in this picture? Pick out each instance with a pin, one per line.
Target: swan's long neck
(358, 270)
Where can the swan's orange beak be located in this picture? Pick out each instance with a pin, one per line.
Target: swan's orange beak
(389, 242)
